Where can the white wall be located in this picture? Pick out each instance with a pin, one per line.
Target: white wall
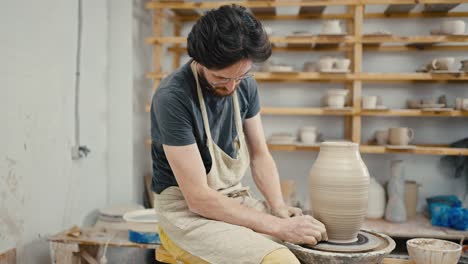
(42, 191)
(424, 169)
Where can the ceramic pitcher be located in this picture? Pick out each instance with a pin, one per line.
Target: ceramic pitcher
(338, 190)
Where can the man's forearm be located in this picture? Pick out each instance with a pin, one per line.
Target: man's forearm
(265, 175)
(214, 205)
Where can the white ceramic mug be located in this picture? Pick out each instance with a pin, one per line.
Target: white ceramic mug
(369, 102)
(308, 135)
(400, 136)
(342, 64)
(453, 27)
(443, 64)
(336, 98)
(326, 63)
(381, 137)
(331, 27)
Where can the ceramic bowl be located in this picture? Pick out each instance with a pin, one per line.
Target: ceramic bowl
(433, 251)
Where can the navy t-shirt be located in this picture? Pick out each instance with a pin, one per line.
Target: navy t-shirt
(176, 120)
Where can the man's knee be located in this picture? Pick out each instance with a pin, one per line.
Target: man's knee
(280, 256)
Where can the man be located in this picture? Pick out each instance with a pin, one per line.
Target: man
(206, 131)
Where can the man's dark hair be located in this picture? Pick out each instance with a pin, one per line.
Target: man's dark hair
(227, 35)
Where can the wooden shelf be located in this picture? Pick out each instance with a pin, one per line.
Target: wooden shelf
(367, 48)
(344, 16)
(275, 40)
(346, 77)
(414, 40)
(414, 15)
(369, 149)
(269, 4)
(419, 226)
(405, 77)
(249, 4)
(415, 113)
(410, 40)
(352, 45)
(303, 77)
(305, 111)
(384, 2)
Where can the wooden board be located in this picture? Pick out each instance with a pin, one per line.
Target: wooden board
(265, 10)
(439, 8)
(399, 9)
(8, 257)
(99, 237)
(419, 226)
(396, 261)
(311, 10)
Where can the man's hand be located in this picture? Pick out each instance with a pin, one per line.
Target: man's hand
(286, 211)
(302, 229)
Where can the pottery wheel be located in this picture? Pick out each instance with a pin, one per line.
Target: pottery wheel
(370, 248)
(365, 242)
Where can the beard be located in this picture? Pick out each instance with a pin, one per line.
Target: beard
(219, 91)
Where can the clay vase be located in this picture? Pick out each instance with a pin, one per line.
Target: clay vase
(338, 190)
(396, 211)
(377, 200)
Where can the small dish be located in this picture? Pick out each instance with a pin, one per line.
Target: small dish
(332, 35)
(284, 72)
(301, 35)
(437, 109)
(425, 106)
(444, 34)
(346, 108)
(401, 146)
(444, 72)
(377, 108)
(335, 71)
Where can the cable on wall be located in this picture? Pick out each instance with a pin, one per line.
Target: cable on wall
(78, 151)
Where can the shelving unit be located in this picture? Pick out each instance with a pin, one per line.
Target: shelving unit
(354, 44)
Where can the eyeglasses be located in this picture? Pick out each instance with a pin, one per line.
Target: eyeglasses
(227, 80)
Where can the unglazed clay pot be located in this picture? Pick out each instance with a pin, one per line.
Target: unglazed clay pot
(338, 190)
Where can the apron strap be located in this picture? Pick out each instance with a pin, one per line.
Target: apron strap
(237, 116)
(209, 139)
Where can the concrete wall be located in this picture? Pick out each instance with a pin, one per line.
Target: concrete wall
(42, 191)
(424, 169)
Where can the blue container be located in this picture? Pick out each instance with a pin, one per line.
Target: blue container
(458, 218)
(143, 237)
(440, 214)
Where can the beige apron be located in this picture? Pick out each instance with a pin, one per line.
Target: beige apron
(210, 240)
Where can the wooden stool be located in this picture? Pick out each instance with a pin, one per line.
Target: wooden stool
(163, 256)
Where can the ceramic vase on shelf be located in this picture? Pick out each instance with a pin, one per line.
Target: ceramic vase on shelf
(338, 190)
(396, 211)
(377, 200)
